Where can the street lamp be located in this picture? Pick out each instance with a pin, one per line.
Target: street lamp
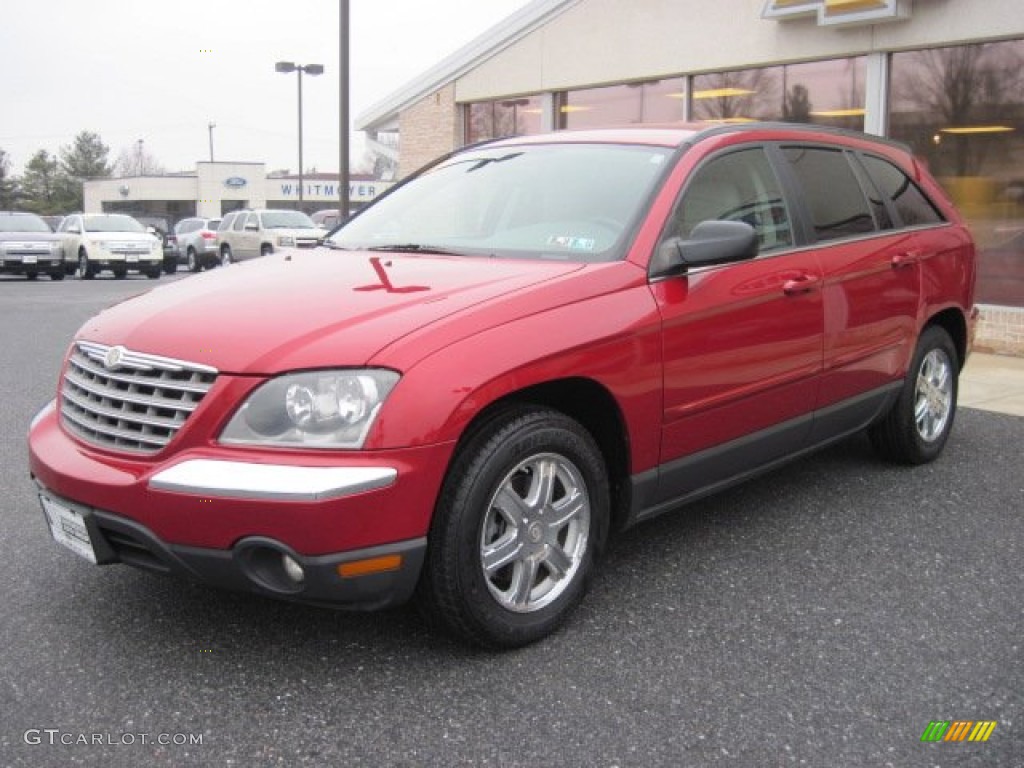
(310, 69)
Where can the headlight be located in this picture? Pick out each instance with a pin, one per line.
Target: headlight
(102, 244)
(286, 241)
(317, 409)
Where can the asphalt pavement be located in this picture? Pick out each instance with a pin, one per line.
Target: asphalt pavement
(823, 615)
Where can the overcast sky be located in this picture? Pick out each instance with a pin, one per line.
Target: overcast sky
(160, 72)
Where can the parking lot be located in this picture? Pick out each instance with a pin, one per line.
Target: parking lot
(822, 615)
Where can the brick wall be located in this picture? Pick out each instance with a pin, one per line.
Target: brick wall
(1000, 330)
(428, 129)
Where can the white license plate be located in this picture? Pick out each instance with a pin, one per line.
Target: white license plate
(132, 258)
(28, 258)
(68, 528)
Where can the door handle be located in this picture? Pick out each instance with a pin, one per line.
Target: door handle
(800, 285)
(907, 259)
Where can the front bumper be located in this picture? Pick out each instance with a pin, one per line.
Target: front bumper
(257, 564)
(19, 266)
(230, 517)
(132, 262)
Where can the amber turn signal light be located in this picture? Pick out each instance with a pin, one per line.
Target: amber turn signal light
(371, 565)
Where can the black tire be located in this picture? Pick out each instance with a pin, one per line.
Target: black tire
(31, 275)
(170, 266)
(192, 260)
(916, 428)
(154, 273)
(521, 599)
(266, 249)
(120, 273)
(86, 271)
(58, 275)
(226, 259)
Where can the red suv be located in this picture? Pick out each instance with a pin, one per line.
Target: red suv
(525, 348)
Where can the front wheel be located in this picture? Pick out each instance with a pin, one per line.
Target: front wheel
(225, 256)
(192, 260)
(85, 270)
(522, 514)
(917, 426)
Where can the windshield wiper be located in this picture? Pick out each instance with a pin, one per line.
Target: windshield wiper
(413, 248)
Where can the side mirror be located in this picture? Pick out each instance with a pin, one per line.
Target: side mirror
(711, 242)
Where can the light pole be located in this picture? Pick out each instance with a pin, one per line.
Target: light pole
(210, 128)
(343, 58)
(309, 69)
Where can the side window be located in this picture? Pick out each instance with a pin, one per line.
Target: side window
(912, 207)
(833, 195)
(239, 224)
(739, 186)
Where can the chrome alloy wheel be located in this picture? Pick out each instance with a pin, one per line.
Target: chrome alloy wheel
(933, 398)
(535, 533)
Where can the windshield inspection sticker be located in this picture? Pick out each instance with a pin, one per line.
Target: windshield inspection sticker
(573, 243)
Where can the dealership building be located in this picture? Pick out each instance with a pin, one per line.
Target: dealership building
(215, 188)
(944, 76)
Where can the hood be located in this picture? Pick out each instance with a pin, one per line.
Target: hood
(123, 237)
(28, 237)
(309, 309)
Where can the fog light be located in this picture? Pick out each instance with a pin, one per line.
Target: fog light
(293, 569)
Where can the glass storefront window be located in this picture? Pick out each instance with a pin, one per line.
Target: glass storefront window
(519, 116)
(820, 92)
(654, 101)
(962, 110)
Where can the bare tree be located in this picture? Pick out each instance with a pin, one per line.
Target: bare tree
(734, 95)
(964, 86)
(135, 160)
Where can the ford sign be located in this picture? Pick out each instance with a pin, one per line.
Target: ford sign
(235, 182)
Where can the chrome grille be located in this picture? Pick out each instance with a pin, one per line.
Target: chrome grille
(116, 398)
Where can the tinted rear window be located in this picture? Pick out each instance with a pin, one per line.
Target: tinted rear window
(833, 195)
(911, 204)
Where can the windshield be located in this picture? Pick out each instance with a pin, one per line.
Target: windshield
(287, 220)
(22, 223)
(111, 223)
(560, 201)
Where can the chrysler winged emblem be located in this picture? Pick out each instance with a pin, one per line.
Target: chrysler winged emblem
(112, 360)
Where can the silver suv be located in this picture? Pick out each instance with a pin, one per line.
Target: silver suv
(197, 242)
(28, 247)
(247, 234)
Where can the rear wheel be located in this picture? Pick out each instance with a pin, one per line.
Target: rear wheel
(120, 272)
(522, 514)
(31, 275)
(58, 275)
(917, 426)
(266, 249)
(226, 259)
(154, 273)
(192, 260)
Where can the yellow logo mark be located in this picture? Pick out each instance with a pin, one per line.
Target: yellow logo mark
(838, 11)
